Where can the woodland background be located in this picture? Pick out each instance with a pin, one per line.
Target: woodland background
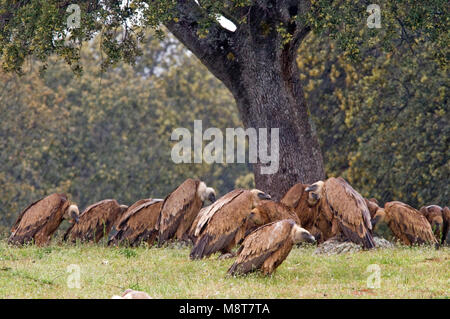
(383, 124)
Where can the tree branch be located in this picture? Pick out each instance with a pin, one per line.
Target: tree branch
(214, 48)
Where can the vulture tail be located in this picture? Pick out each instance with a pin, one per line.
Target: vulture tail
(368, 241)
(198, 251)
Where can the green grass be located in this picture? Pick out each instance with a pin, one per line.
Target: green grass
(32, 272)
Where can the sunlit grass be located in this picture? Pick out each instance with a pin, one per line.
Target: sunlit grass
(32, 272)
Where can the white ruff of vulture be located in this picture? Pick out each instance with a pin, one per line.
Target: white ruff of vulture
(439, 218)
(297, 198)
(96, 221)
(342, 212)
(138, 224)
(180, 208)
(40, 220)
(222, 225)
(268, 246)
(406, 223)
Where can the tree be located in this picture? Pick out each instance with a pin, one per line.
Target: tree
(256, 62)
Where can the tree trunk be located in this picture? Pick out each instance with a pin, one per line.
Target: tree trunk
(269, 95)
(257, 63)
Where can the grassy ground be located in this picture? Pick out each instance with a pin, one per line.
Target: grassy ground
(32, 272)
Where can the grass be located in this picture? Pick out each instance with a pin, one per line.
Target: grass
(33, 272)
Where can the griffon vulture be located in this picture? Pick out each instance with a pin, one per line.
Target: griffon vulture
(222, 225)
(268, 246)
(342, 211)
(96, 221)
(439, 218)
(406, 223)
(40, 220)
(180, 209)
(372, 205)
(269, 211)
(138, 224)
(297, 198)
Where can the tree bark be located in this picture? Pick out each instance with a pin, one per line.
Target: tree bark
(258, 65)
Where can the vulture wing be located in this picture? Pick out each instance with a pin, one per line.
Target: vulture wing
(139, 224)
(350, 210)
(297, 198)
(95, 221)
(36, 215)
(262, 244)
(446, 219)
(207, 212)
(294, 194)
(221, 231)
(407, 221)
(176, 208)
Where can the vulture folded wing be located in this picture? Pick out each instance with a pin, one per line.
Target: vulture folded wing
(174, 207)
(409, 222)
(446, 220)
(206, 213)
(35, 216)
(259, 245)
(293, 195)
(95, 221)
(223, 226)
(351, 211)
(140, 224)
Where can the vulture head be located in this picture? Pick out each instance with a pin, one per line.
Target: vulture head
(300, 235)
(433, 214)
(315, 192)
(72, 214)
(380, 216)
(258, 196)
(206, 193)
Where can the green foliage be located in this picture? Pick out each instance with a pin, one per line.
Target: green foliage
(383, 123)
(107, 134)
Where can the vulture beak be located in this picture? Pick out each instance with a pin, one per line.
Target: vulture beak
(212, 197)
(311, 188)
(264, 196)
(309, 238)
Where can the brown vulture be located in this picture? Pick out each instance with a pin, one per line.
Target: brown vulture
(269, 211)
(342, 211)
(138, 224)
(297, 198)
(268, 246)
(96, 221)
(372, 205)
(40, 220)
(222, 225)
(180, 208)
(406, 223)
(439, 218)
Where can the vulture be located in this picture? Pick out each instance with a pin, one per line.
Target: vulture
(96, 221)
(297, 198)
(439, 218)
(342, 211)
(270, 211)
(372, 205)
(40, 220)
(222, 225)
(138, 224)
(180, 208)
(268, 246)
(406, 223)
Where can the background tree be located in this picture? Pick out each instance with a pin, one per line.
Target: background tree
(256, 62)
